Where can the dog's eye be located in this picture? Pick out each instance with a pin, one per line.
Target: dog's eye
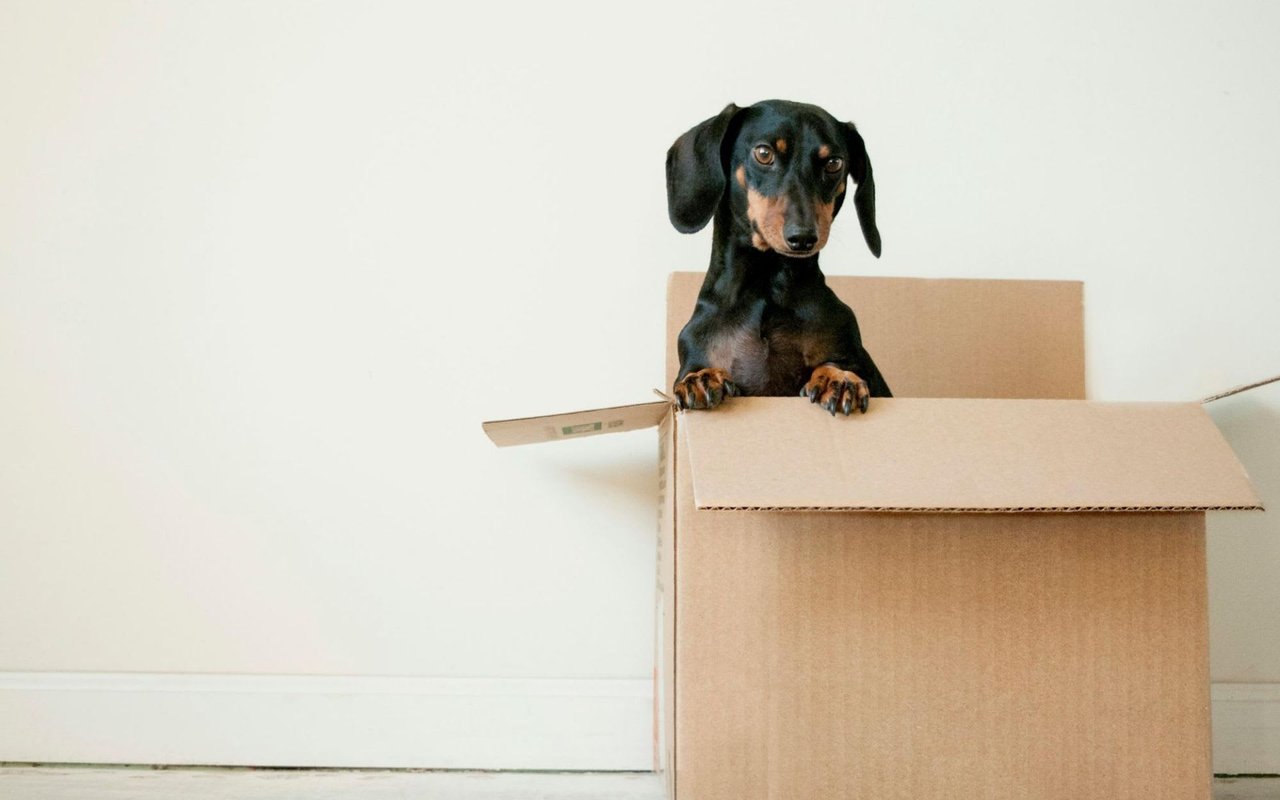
(764, 154)
(834, 165)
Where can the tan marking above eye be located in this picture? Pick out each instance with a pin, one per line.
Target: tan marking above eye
(833, 165)
(781, 144)
(763, 154)
(824, 151)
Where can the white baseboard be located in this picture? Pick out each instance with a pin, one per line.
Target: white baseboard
(428, 723)
(298, 720)
(1246, 728)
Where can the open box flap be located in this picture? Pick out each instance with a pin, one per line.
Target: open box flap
(576, 424)
(765, 453)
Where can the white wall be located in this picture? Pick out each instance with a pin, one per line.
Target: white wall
(264, 267)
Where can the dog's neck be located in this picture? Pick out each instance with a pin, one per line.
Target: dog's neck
(739, 270)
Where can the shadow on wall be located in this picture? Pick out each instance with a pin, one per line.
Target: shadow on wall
(633, 478)
(1243, 549)
(1251, 425)
(614, 476)
(631, 484)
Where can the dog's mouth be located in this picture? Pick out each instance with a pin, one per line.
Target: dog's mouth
(770, 240)
(787, 252)
(764, 243)
(791, 252)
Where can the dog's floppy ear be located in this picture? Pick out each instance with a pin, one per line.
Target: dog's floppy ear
(695, 172)
(864, 199)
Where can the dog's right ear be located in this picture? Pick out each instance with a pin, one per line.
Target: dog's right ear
(695, 172)
(864, 199)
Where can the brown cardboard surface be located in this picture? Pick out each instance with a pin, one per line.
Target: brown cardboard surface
(1048, 656)
(871, 655)
(948, 337)
(809, 654)
(963, 455)
(575, 424)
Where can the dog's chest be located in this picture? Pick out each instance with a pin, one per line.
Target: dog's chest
(763, 350)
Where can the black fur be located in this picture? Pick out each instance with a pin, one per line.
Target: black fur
(766, 323)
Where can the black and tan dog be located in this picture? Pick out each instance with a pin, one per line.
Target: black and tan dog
(773, 177)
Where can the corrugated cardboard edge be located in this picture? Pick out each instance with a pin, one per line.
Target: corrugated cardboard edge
(976, 510)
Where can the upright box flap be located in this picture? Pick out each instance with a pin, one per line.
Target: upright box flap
(767, 453)
(575, 424)
(947, 337)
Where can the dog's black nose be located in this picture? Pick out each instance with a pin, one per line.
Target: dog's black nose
(801, 241)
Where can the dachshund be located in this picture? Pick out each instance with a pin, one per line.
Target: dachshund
(773, 177)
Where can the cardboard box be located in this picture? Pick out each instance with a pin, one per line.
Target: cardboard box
(984, 587)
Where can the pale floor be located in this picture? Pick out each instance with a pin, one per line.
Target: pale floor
(121, 783)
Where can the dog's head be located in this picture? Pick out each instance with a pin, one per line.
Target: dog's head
(781, 166)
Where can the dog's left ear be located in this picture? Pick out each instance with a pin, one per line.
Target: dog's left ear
(695, 172)
(864, 199)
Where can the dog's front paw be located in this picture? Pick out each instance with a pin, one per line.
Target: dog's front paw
(705, 388)
(837, 389)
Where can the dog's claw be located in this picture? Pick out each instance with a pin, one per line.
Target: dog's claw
(837, 390)
(703, 389)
